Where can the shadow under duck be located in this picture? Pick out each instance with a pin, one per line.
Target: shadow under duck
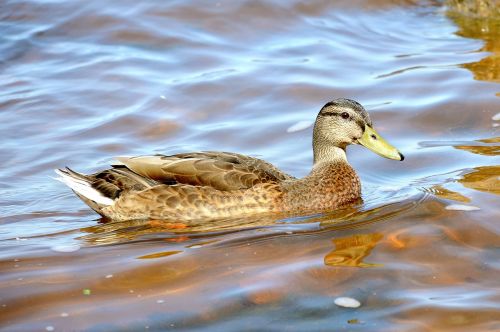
(210, 185)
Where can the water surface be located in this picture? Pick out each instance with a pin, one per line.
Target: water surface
(83, 81)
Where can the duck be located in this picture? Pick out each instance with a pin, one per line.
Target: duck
(208, 185)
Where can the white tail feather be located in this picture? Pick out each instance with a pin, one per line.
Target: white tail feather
(83, 188)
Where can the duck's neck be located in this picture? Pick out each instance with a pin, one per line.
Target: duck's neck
(324, 153)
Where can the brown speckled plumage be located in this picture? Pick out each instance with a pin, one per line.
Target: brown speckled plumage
(209, 185)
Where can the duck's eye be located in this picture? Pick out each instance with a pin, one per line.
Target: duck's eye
(344, 115)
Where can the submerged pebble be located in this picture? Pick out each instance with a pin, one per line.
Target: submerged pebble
(461, 207)
(496, 117)
(347, 302)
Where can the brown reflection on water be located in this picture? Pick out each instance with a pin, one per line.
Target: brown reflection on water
(160, 254)
(488, 147)
(350, 251)
(486, 28)
(484, 150)
(485, 147)
(490, 140)
(442, 192)
(484, 178)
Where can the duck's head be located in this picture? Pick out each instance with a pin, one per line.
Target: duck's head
(342, 122)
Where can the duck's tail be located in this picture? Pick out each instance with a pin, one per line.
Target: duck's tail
(82, 186)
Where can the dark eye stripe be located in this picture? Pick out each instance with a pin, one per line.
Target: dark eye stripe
(329, 114)
(342, 115)
(361, 124)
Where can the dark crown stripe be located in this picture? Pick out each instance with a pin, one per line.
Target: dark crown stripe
(330, 103)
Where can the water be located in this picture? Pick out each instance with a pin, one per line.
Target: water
(83, 81)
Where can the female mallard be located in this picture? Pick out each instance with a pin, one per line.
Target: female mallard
(209, 185)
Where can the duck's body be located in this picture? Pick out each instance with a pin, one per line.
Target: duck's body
(213, 185)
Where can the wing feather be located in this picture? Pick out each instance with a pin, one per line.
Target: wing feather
(220, 170)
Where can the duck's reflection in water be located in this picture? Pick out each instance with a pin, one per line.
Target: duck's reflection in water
(352, 250)
(353, 217)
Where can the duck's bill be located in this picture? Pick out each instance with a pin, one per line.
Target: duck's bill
(373, 141)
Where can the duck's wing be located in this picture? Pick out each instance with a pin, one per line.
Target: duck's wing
(219, 170)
